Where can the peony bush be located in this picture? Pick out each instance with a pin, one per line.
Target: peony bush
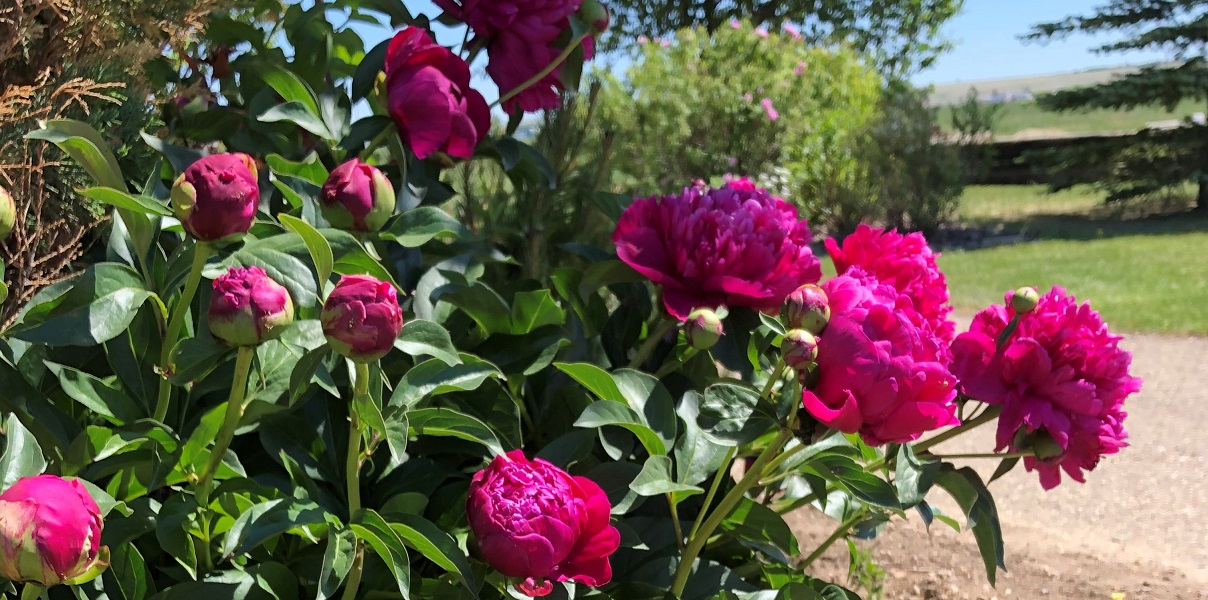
(371, 402)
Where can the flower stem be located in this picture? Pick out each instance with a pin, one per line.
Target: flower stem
(777, 372)
(990, 455)
(557, 62)
(697, 542)
(721, 472)
(234, 412)
(673, 365)
(652, 342)
(353, 474)
(834, 537)
(201, 253)
(675, 521)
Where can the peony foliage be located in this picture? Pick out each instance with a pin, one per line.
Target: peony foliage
(371, 402)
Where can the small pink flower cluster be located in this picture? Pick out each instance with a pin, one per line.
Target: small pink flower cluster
(1061, 379)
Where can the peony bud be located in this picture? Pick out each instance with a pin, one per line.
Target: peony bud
(703, 329)
(595, 15)
(217, 196)
(799, 349)
(1039, 442)
(1025, 299)
(806, 308)
(50, 531)
(247, 307)
(361, 318)
(8, 214)
(357, 197)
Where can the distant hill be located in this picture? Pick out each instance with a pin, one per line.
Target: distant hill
(952, 93)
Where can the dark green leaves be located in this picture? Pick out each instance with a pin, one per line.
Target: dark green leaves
(914, 476)
(734, 415)
(416, 227)
(451, 423)
(89, 309)
(22, 457)
(425, 338)
(974, 498)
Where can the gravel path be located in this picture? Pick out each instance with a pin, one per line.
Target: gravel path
(1137, 526)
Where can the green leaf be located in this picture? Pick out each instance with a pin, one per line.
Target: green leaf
(304, 372)
(310, 169)
(194, 358)
(179, 157)
(772, 323)
(599, 414)
(425, 338)
(105, 399)
(655, 479)
(763, 528)
(484, 305)
(696, 456)
(22, 456)
(268, 519)
(86, 310)
(531, 310)
(451, 423)
(374, 61)
(370, 527)
(734, 415)
(298, 114)
(417, 226)
(651, 400)
(368, 411)
(436, 545)
(119, 199)
(320, 250)
(434, 377)
(974, 498)
(291, 88)
(914, 476)
(86, 146)
(1004, 467)
(596, 380)
(852, 476)
(337, 561)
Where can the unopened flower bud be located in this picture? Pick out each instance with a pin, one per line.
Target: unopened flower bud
(1039, 442)
(799, 349)
(8, 214)
(357, 197)
(806, 308)
(361, 318)
(1025, 299)
(703, 329)
(50, 531)
(247, 307)
(595, 15)
(216, 197)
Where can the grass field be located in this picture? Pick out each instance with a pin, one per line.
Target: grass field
(1020, 116)
(1143, 273)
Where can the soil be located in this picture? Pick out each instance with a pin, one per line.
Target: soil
(1136, 527)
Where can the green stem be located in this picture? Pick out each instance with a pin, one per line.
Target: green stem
(834, 537)
(774, 377)
(652, 342)
(353, 474)
(672, 366)
(675, 521)
(697, 542)
(234, 412)
(201, 253)
(566, 52)
(985, 455)
(31, 592)
(721, 472)
(780, 460)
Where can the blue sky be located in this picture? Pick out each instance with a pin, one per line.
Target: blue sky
(984, 36)
(986, 43)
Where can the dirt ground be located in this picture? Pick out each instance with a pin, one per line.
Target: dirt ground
(1137, 527)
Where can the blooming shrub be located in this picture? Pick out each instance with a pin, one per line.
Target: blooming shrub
(375, 403)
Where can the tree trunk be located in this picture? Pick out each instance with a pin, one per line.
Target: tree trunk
(1201, 198)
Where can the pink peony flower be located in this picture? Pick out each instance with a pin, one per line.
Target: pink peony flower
(729, 246)
(735, 24)
(216, 197)
(761, 32)
(247, 307)
(535, 522)
(50, 530)
(429, 97)
(521, 40)
(666, 43)
(643, 40)
(799, 70)
(906, 263)
(879, 373)
(769, 109)
(1061, 375)
(792, 30)
(357, 197)
(361, 318)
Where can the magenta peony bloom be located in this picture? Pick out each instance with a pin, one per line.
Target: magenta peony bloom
(361, 318)
(216, 197)
(769, 109)
(50, 530)
(247, 307)
(429, 97)
(906, 263)
(879, 372)
(521, 40)
(707, 248)
(357, 197)
(1061, 374)
(793, 31)
(535, 522)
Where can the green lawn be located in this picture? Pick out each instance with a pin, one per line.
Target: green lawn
(1018, 116)
(1142, 274)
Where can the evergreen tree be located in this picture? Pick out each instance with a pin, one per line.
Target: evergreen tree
(1153, 159)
